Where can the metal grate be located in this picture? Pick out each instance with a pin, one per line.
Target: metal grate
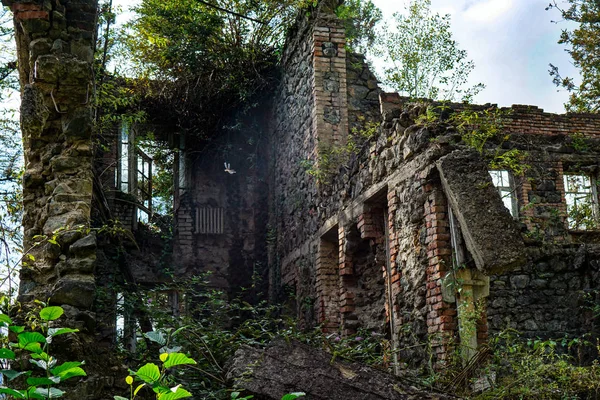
(209, 220)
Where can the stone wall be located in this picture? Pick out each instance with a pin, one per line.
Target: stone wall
(395, 175)
(221, 218)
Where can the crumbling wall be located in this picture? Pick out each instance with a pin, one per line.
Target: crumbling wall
(542, 291)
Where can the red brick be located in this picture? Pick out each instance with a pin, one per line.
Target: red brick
(25, 15)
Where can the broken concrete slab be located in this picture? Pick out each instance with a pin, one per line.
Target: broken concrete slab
(295, 367)
(491, 234)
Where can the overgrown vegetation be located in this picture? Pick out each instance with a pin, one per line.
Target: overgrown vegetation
(209, 329)
(332, 156)
(32, 347)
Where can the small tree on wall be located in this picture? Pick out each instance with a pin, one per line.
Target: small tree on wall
(423, 61)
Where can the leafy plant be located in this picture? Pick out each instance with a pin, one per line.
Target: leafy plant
(150, 375)
(33, 347)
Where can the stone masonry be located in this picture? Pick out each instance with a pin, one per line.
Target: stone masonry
(395, 215)
(55, 43)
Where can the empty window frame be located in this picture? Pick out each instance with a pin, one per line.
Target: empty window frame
(210, 220)
(134, 171)
(125, 141)
(582, 201)
(504, 183)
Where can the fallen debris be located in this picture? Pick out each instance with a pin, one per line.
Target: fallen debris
(294, 367)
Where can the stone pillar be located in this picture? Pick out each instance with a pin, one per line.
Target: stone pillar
(55, 43)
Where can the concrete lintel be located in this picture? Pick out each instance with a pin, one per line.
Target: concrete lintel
(491, 234)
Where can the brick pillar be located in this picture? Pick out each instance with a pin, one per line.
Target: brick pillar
(184, 235)
(441, 317)
(330, 113)
(394, 284)
(327, 282)
(347, 280)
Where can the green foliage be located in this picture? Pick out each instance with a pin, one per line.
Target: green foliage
(539, 369)
(332, 156)
(423, 59)
(482, 130)
(213, 328)
(160, 380)
(202, 61)
(579, 142)
(582, 46)
(33, 348)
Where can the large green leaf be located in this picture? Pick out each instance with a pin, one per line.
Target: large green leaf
(7, 354)
(12, 374)
(71, 373)
(41, 356)
(51, 393)
(30, 337)
(178, 393)
(32, 394)
(65, 367)
(149, 373)
(15, 393)
(16, 329)
(5, 319)
(293, 396)
(120, 398)
(60, 331)
(157, 337)
(43, 381)
(175, 359)
(51, 313)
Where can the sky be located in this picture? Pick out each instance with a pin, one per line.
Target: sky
(511, 42)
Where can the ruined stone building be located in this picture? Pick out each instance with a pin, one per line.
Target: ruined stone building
(357, 207)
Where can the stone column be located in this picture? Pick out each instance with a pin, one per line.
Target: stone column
(55, 43)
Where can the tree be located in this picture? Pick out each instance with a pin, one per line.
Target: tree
(424, 61)
(582, 46)
(360, 18)
(202, 59)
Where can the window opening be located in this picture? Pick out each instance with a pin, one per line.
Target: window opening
(123, 155)
(582, 201)
(504, 183)
(182, 166)
(134, 172)
(210, 220)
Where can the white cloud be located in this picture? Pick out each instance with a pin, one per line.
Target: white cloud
(488, 11)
